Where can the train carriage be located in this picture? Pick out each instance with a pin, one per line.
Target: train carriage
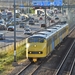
(40, 44)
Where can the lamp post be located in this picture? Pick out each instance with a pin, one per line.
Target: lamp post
(15, 61)
(45, 18)
(21, 7)
(28, 6)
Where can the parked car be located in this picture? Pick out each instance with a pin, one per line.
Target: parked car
(2, 36)
(10, 28)
(11, 22)
(3, 27)
(22, 25)
(42, 14)
(4, 15)
(2, 21)
(27, 31)
(9, 14)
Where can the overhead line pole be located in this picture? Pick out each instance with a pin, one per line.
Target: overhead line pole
(15, 60)
(45, 19)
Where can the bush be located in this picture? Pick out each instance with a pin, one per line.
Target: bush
(3, 54)
(32, 10)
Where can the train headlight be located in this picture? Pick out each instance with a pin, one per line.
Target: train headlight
(27, 45)
(30, 52)
(39, 52)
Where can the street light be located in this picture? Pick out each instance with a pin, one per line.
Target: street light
(21, 7)
(15, 61)
(45, 18)
(28, 6)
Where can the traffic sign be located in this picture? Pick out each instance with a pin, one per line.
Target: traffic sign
(41, 3)
(58, 2)
(21, 6)
(47, 3)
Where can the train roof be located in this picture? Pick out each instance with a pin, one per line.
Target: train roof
(49, 32)
(40, 35)
(44, 32)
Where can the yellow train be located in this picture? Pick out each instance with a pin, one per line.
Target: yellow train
(39, 45)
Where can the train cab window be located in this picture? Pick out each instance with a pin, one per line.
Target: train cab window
(36, 39)
(41, 40)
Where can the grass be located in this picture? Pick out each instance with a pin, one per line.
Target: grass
(7, 57)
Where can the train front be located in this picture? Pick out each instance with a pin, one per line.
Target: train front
(35, 48)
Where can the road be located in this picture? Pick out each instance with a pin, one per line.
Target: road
(9, 35)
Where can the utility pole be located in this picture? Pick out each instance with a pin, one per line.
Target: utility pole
(45, 18)
(15, 61)
(28, 6)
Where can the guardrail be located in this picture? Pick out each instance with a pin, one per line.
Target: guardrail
(10, 46)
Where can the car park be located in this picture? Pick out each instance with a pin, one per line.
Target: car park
(27, 31)
(10, 28)
(2, 36)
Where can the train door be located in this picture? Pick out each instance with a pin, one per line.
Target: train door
(53, 43)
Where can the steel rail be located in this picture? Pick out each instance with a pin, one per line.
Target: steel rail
(57, 72)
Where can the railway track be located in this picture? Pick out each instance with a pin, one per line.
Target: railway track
(32, 68)
(72, 68)
(64, 66)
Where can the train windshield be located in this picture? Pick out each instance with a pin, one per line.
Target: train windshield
(36, 39)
